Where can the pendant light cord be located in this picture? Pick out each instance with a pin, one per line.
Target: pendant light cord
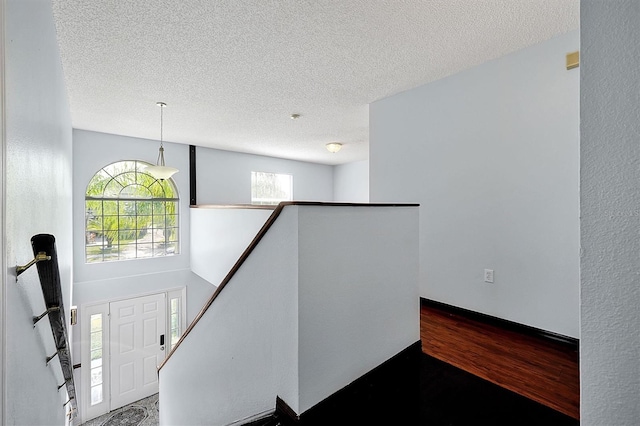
(161, 126)
(160, 161)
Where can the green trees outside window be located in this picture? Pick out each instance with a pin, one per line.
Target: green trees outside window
(129, 214)
(271, 188)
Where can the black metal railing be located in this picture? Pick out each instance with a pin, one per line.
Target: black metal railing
(46, 260)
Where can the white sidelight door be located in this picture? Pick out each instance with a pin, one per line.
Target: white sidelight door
(138, 328)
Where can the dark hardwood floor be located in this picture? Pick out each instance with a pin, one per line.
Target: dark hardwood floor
(537, 368)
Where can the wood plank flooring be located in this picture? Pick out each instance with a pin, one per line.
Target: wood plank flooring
(542, 370)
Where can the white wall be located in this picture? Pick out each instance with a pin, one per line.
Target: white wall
(357, 293)
(351, 182)
(328, 294)
(610, 196)
(491, 154)
(38, 200)
(243, 351)
(224, 177)
(219, 236)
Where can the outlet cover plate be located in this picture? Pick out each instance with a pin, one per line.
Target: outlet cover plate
(488, 275)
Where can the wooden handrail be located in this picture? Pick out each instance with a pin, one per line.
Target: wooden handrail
(235, 206)
(46, 261)
(261, 233)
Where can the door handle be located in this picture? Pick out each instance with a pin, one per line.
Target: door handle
(162, 340)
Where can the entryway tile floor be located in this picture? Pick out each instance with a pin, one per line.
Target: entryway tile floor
(140, 413)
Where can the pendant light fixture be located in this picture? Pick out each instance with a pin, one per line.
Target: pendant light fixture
(160, 171)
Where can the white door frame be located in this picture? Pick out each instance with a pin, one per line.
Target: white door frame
(3, 227)
(86, 310)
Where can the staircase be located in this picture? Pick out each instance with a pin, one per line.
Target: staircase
(314, 312)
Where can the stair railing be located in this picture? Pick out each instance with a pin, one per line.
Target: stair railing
(46, 261)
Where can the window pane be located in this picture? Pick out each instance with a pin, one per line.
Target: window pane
(96, 185)
(93, 208)
(112, 189)
(159, 221)
(94, 223)
(168, 189)
(125, 179)
(96, 395)
(96, 376)
(170, 248)
(132, 190)
(158, 208)
(171, 220)
(110, 254)
(271, 188)
(174, 336)
(145, 250)
(143, 208)
(127, 236)
(172, 207)
(175, 320)
(144, 221)
(110, 207)
(140, 167)
(96, 358)
(96, 340)
(158, 190)
(96, 322)
(115, 169)
(171, 234)
(127, 251)
(127, 208)
(126, 222)
(94, 254)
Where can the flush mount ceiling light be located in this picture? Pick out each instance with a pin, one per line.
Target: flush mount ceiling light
(160, 171)
(333, 147)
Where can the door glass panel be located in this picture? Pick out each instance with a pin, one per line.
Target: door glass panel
(96, 394)
(96, 358)
(175, 321)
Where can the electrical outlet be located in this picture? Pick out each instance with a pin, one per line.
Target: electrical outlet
(488, 275)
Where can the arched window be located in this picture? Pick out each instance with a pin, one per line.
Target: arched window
(129, 214)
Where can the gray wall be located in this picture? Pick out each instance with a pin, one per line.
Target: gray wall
(351, 182)
(610, 200)
(224, 177)
(37, 200)
(491, 154)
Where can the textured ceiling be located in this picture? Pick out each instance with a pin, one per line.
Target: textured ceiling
(233, 71)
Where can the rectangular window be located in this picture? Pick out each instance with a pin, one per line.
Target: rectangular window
(96, 359)
(271, 188)
(175, 321)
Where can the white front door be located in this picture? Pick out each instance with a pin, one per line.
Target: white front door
(137, 347)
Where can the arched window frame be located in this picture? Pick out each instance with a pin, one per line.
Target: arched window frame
(129, 214)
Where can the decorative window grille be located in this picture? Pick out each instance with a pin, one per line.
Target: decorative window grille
(129, 214)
